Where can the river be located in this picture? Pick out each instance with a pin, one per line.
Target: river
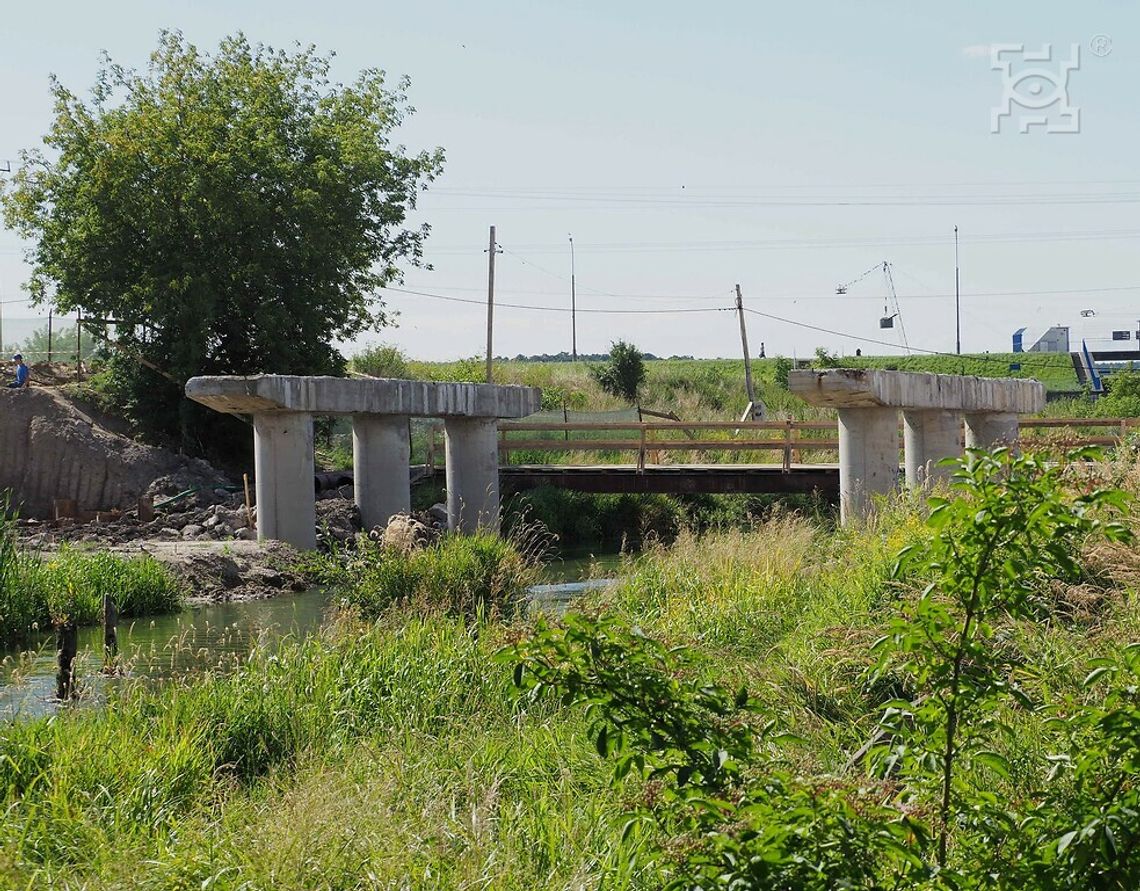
(214, 636)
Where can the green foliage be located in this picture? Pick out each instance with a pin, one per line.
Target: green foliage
(1011, 528)
(1123, 398)
(623, 374)
(35, 345)
(466, 574)
(381, 361)
(738, 820)
(37, 591)
(725, 812)
(235, 211)
(781, 368)
(580, 518)
(824, 359)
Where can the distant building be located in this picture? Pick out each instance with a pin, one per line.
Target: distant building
(1055, 340)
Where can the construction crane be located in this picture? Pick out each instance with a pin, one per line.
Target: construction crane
(890, 300)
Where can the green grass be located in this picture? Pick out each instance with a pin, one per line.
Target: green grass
(394, 753)
(468, 575)
(37, 591)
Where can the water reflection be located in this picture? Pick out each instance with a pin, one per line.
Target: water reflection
(217, 636)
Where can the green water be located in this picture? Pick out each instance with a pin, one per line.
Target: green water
(580, 564)
(207, 637)
(214, 637)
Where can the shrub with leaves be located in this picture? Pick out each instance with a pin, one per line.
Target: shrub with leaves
(623, 374)
(1010, 528)
(716, 812)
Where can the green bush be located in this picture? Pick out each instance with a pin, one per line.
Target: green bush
(623, 374)
(381, 361)
(581, 518)
(946, 805)
(461, 574)
(38, 591)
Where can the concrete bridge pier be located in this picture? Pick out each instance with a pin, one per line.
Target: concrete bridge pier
(283, 407)
(929, 436)
(381, 452)
(472, 479)
(283, 478)
(990, 429)
(869, 451)
(868, 402)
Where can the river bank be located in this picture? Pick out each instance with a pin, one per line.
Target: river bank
(399, 752)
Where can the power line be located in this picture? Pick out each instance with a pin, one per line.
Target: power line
(563, 309)
(633, 247)
(849, 336)
(1048, 292)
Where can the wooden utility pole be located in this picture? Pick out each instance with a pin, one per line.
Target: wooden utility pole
(573, 307)
(747, 360)
(490, 301)
(957, 299)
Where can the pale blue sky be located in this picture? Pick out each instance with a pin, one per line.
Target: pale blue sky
(689, 147)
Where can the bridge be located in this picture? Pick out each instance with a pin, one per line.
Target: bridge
(940, 415)
(716, 457)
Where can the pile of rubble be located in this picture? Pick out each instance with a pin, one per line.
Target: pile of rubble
(226, 519)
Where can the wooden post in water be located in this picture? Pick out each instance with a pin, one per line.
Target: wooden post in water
(110, 631)
(67, 644)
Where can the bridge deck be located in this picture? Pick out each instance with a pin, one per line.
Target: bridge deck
(676, 478)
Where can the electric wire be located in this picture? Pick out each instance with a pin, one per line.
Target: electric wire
(564, 309)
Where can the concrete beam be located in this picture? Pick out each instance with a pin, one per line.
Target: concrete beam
(283, 475)
(868, 458)
(380, 457)
(853, 388)
(928, 437)
(988, 430)
(472, 474)
(268, 393)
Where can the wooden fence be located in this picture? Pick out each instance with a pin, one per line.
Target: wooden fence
(788, 438)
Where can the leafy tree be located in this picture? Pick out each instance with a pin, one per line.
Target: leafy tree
(236, 211)
(624, 373)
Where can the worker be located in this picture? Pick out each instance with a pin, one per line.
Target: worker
(21, 380)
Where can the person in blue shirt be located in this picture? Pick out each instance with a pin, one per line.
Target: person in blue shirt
(21, 380)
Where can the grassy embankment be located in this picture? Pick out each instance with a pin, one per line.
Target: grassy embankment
(396, 752)
(38, 590)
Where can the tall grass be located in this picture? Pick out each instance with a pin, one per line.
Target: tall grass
(458, 574)
(37, 591)
(393, 743)
(393, 752)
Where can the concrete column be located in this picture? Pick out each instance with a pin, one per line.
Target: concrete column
(990, 429)
(868, 458)
(380, 479)
(928, 437)
(472, 474)
(283, 472)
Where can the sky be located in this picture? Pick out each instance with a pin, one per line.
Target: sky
(687, 148)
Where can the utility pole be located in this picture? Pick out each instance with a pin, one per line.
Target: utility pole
(491, 251)
(573, 307)
(957, 298)
(747, 361)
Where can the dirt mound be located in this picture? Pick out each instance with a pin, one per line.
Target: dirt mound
(49, 449)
